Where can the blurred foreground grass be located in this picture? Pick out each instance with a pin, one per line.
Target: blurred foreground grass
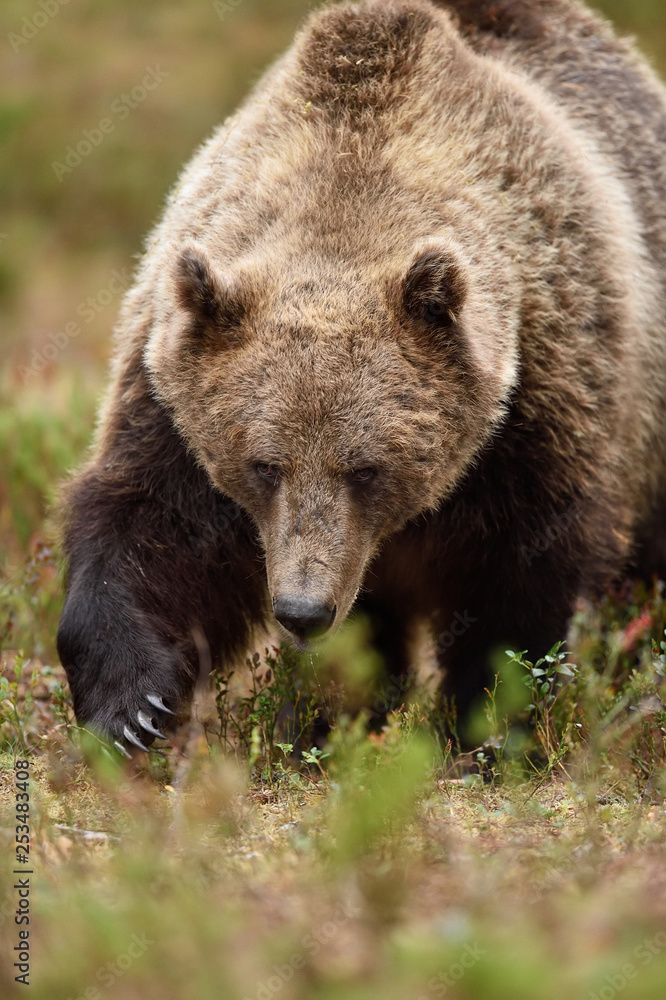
(377, 871)
(224, 869)
(378, 866)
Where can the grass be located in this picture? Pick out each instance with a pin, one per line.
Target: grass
(225, 866)
(250, 857)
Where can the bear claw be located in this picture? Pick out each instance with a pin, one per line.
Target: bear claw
(134, 740)
(157, 702)
(147, 724)
(122, 749)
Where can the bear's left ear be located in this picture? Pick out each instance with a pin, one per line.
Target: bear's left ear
(212, 302)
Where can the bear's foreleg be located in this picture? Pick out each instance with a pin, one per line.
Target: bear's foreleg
(164, 577)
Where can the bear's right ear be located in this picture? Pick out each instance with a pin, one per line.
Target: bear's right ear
(435, 288)
(451, 316)
(213, 304)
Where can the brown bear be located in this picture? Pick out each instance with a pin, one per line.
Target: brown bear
(400, 333)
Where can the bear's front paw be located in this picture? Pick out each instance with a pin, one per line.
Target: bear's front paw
(129, 719)
(147, 724)
(127, 679)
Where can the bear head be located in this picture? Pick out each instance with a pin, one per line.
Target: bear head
(332, 406)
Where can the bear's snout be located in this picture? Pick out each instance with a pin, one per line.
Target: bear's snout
(303, 617)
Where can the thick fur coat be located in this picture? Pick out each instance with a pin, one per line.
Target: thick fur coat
(401, 332)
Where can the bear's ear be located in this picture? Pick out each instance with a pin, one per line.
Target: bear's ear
(212, 302)
(437, 299)
(435, 289)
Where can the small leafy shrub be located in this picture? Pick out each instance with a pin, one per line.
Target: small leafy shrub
(275, 705)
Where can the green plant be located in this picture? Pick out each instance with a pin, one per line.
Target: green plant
(551, 711)
(17, 705)
(277, 701)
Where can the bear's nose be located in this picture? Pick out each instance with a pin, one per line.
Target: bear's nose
(302, 616)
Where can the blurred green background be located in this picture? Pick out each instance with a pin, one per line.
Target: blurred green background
(65, 67)
(61, 239)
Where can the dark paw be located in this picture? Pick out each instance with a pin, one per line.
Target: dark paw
(127, 679)
(140, 734)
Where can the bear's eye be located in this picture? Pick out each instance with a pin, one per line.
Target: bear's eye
(269, 472)
(437, 313)
(363, 475)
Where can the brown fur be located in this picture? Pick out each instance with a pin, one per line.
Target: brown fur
(430, 244)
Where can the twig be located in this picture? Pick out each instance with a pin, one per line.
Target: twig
(86, 834)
